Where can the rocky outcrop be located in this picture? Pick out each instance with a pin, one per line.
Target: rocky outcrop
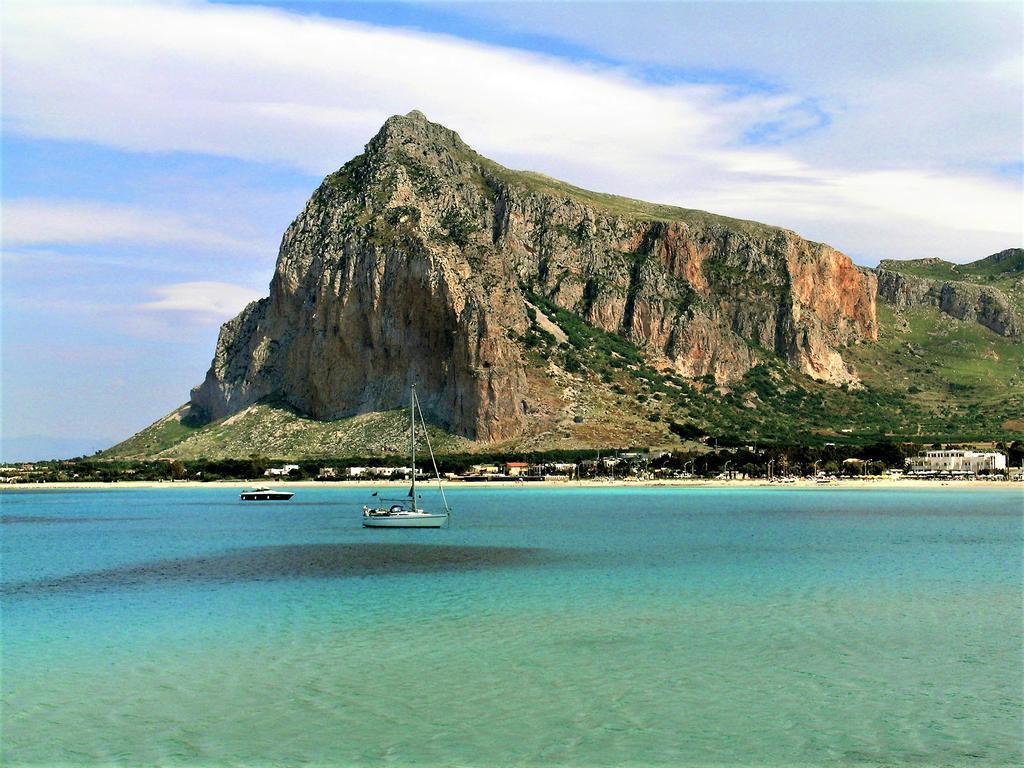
(1009, 259)
(415, 262)
(983, 304)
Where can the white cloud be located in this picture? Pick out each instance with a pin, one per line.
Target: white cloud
(31, 222)
(270, 86)
(1008, 70)
(200, 302)
(204, 299)
(905, 84)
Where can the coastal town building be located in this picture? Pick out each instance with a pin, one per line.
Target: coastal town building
(280, 471)
(958, 462)
(355, 473)
(392, 472)
(560, 468)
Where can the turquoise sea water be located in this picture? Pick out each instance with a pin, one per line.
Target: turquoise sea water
(554, 626)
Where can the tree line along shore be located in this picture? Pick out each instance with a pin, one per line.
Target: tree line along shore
(759, 463)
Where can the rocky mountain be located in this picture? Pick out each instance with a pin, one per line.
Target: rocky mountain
(534, 315)
(422, 261)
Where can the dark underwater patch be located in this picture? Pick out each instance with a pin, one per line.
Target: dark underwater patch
(42, 519)
(305, 561)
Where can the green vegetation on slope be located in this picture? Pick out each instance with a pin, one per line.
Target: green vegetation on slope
(166, 433)
(273, 430)
(967, 379)
(1004, 270)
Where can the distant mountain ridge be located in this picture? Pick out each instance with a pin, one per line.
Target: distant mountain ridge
(535, 314)
(989, 291)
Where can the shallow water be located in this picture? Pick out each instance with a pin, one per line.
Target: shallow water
(553, 626)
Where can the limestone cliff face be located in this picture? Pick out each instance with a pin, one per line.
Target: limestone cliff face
(414, 261)
(983, 304)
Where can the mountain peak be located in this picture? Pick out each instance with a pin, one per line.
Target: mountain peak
(415, 129)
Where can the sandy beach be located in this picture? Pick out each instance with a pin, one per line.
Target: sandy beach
(853, 484)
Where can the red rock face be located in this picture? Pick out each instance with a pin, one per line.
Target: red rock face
(829, 285)
(411, 265)
(683, 258)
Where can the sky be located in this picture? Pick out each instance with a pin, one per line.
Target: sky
(154, 152)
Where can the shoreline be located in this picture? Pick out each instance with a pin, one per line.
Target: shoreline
(858, 484)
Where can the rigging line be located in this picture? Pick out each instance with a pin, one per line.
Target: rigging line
(426, 434)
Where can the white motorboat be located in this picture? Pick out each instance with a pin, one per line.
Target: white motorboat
(265, 494)
(397, 514)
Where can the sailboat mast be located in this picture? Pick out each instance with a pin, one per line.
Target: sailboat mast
(433, 461)
(412, 440)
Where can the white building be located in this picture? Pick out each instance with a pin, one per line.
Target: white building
(958, 462)
(485, 469)
(280, 471)
(559, 468)
(391, 472)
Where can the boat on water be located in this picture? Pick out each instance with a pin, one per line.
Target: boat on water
(399, 514)
(265, 494)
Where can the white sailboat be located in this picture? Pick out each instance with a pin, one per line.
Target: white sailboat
(398, 515)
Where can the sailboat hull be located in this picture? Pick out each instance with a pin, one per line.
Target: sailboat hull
(404, 521)
(397, 515)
